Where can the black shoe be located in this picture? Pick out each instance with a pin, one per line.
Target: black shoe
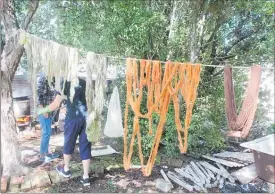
(85, 182)
(61, 171)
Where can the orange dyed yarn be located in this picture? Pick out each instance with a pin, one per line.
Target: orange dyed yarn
(177, 78)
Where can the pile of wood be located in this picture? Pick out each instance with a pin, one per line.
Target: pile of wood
(200, 176)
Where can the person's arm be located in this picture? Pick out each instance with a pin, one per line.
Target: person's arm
(53, 106)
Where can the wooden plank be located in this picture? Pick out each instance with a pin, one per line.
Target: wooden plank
(221, 182)
(246, 175)
(195, 176)
(231, 179)
(211, 174)
(199, 172)
(204, 171)
(188, 176)
(165, 177)
(224, 162)
(212, 168)
(180, 182)
(238, 155)
(184, 174)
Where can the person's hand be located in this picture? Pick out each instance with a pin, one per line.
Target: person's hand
(43, 111)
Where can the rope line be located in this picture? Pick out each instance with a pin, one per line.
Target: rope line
(162, 62)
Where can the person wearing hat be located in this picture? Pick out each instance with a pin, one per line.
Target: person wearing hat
(45, 95)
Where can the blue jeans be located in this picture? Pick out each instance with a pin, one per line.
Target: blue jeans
(45, 124)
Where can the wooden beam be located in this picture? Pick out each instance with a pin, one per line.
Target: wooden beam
(179, 181)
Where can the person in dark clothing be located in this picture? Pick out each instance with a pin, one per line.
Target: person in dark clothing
(75, 126)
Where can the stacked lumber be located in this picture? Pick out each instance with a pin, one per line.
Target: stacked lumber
(200, 176)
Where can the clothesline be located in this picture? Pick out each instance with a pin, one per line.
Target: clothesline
(204, 65)
(162, 62)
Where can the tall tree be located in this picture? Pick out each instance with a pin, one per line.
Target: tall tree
(10, 58)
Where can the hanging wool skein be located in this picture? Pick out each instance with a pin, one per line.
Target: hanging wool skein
(240, 125)
(53, 59)
(96, 64)
(184, 77)
(73, 62)
(32, 46)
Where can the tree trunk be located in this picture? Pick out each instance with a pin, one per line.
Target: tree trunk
(9, 144)
(171, 34)
(10, 58)
(10, 153)
(197, 26)
(193, 32)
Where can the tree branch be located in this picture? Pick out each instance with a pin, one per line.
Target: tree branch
(217, 27)
(32, 9)
(218, 73)
(243, 37)
(12, 53)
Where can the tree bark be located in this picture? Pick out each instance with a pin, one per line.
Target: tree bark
(172, 23)
(10, 59)
(197, 26)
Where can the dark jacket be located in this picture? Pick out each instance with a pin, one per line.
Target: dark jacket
(77, 108)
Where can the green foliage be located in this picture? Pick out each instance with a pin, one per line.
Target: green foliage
(170, 137)
(204, 136)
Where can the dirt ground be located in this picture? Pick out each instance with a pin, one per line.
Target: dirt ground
(114, 181)
(117, 179)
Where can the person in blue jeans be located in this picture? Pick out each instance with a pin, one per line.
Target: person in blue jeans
(45, 96)
(75, 126)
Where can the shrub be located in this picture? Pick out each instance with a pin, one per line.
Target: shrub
(204, 136)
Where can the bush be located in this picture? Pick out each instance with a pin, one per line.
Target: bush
(204, 136)
(170, 137)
